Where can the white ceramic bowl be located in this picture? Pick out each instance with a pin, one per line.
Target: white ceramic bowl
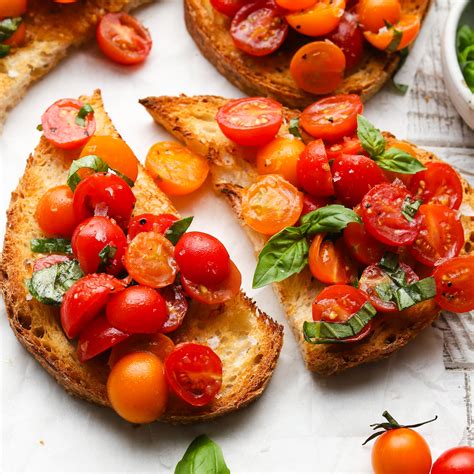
(459, 92)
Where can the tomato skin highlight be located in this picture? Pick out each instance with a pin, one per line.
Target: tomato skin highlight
(458, 460)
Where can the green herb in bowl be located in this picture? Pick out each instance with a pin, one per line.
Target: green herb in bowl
(465, 50)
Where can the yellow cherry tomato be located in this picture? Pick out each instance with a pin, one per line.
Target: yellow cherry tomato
(375, 14)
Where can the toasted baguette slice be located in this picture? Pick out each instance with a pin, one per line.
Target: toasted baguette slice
(53, 30)
(192, 120)
(247, 341)
(270, 75)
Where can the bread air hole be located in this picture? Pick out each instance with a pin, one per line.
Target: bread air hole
(390, 339)
(38, 332)
(25, 321)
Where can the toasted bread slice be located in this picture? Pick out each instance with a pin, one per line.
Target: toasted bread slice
(270, 75)
(192, 120)
(247, 341)
(53, 30)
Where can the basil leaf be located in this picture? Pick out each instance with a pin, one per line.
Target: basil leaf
(49, 284)
(202, 457)
(39, 127)
(399, 161)
(402, 88)
(332, 218)
(385, 291)
(125, 178)
(370, 137)
(107, 254)
(390, 265)
(50, 246)
(285, 254)
(91, 162)
(81, 116)
(294, 128)
(4, 50)
(415, 293)
(323, 332)
(410, 208)
(8, 27)
(177, 229)
(389, 261)
(396, 40)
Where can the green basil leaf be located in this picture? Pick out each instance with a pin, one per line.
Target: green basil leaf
(49, 284)
(399, 161)
(50, 246)
(4, 50)
(385, 291)
(203, 456)
(81, 116)
(415, 293)
(8, 27)
(125, 178)
(39, 128)
(294, 128)
(107, 254)
(410, 208)
(402, 88)
(396, 40)
(177, 229)
(332, 218)
(390, 265)
(370, 137)
(322, 332)
(93, 162)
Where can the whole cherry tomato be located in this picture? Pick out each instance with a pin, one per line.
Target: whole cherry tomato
(150, 223)
(459, 460)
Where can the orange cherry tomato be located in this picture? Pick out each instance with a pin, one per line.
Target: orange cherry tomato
(115, 152)
(319, 19)
(318, 67)
(271, 204)
(13, 8)
(137, 387)
(280, 156)
(294, 5)
(18, 38)
(375, 14)
(176, 169)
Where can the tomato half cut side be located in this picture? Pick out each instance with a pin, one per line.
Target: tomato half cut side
(194, 373)
(177, 305)
(347, 146)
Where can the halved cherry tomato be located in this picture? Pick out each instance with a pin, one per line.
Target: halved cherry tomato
(383, 218)
(329, 263)
(318, 67)
(115, 152)
(346, 146)
(176, 169)
(105, 195)
(259, 28)
(311, 203)
(294, 5)
(229, 7)
(97, 337)
(441, 234)
(137, 387)
(85, 299)
(337, 304)
(280, 156)
(18, 38)
(459, 460)
(13, 8)
(177, 306)
(438, 184)
(150, 223)
(55, 212)
(375, 14)
(455, 291)
(49, 261)
(149, 260)
(332, 118)
(362, 246)
(62, 125)
(251, 121)
(271, 204)
(319, 19)
(314, 172)
(123, 39)
(194, 373)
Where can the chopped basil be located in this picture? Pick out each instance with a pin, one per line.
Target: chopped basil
(8, 27)
(92, 162)
(50, 246)
(81, 116)
(410, 295)
(177, 229)
(107, 254)
(39, 127)
(294, 128)
(396, 40)
(410, 208)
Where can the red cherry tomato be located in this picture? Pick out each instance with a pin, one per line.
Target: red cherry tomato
(150, 223)
(441, 234)
(250, 121)
(337, 304)
(311, 203)
(314, 173)
(202, 258)
(216, 294)
(347, 146)
(459, 460)
(455, 291)
(104, 194)
(137, 310)
(332, 118)
(177, 306)
(97, 337)
(85, 299)
(228, 7)
(361, 245)
(353, 176)
(49, 261)
(194, 373)
(13, 8)
(438, 184)
(18, 38)
(383, 218)
(123, 39)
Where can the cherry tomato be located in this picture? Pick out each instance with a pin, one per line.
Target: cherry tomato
(294, 5)
(353, 176)
(311, 203)
(97, 337)
(459, 460)
(375, 14)
(383, 218)
(455, 291)
(49, 261)
(441, 234)
(55, 212)
(438, 184)
(194, 373)
(318, 67)
(99, 244)
(13, 8)
(150, 223)
(123, 39)
(228, 7)
(137, 387)
(319, 19)
(259, 28)
(280, 156)
(104, 194)
(314, 172)
(177, 306)
(217, 294)
(18, 38)
(337, 304)
(401, 450)
(271, 204)
(332, 118)
(328, 261)
(347, 146)
(361, 245)
(115, 152)
(149, 260)
(373, 276)
(85, 299)
(250, 121)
